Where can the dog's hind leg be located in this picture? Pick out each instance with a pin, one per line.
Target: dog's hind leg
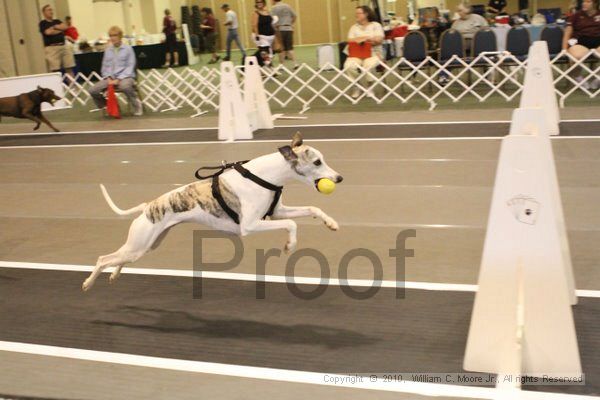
(142, 235)
(103, 263)
(124, 255)
(115, 274)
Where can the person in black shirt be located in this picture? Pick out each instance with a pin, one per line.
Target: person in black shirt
(496, 6)
(263, 33)
(58, 55)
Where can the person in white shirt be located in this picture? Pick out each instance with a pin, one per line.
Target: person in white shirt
(231, 22)
(468, 23)
(366, 30)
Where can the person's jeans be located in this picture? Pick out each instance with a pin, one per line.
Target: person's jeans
(232, 35)
(126, 85)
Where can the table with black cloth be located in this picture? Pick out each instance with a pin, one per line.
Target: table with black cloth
(147, 56)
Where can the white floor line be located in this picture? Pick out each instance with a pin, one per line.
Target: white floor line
(300, 223)
(213, 128)
(498, 138)
(434, 286)
(46, 146)
(408, 123)
(271, 374)
(279, 375)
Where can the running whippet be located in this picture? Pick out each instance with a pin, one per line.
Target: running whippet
(236, 200)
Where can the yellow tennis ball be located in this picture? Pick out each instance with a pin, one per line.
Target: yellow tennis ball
(326, 186)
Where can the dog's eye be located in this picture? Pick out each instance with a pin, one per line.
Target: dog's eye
(318, 162)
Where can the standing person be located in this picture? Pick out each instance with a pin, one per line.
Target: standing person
(118, 69)
(208, 26)
(495, 7)
(71, 33)
(286, 18)
(366, 30)
(263, 33)
(57, 54)
(169, 29)
(231, 22)
(582, 35)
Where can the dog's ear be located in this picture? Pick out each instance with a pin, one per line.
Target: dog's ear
(297, 139)
(288, 153)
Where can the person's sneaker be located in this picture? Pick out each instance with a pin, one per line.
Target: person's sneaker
(165, 65)
(139, 109)
(585, 85)
(175, 64)
(443, 80)
(355, 93)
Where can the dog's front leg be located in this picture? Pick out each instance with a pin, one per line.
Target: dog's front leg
(45, 120)
(258, 225)
(296, 212)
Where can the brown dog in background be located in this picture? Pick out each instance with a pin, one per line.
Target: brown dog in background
(29, 105)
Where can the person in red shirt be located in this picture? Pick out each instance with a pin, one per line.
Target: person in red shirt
(582, 35)
(169, 29)
(209, 33)
(71, 33)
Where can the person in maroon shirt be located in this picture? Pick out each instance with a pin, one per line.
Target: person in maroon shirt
(169, 28)
(209, 33)
(582, 35)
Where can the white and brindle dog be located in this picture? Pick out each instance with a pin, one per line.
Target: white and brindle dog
(250, 201)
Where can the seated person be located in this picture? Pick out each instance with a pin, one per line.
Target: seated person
(366, 30)
(118, 68)
(432, 24)
(468, 24)
(582, 35)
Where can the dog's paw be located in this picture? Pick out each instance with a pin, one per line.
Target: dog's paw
(331, 224)
(113, 277)
(290, 246)
(35, 128)
(86, 285)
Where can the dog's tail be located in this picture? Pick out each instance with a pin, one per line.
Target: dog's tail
(116, 209)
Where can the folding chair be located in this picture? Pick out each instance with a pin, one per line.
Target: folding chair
(484, 41)
(518, 41)
(415, 47)
(553, 35)
(451, 44)
(415, 51)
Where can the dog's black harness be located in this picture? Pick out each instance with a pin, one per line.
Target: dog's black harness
(216, 189)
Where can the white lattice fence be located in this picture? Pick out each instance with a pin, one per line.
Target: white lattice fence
(490, 75)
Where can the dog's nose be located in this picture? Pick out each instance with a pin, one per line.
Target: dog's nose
(339, 179)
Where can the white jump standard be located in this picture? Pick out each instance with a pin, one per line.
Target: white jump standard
(250, 201)
(522, 321)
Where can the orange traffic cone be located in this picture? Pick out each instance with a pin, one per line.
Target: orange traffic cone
(112, 104)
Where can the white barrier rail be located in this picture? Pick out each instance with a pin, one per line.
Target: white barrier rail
(490, 75)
